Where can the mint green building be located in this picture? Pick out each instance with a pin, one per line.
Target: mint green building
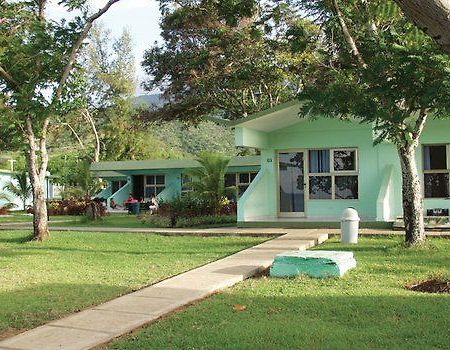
(308, 171)
(165, 179)
(311, 170)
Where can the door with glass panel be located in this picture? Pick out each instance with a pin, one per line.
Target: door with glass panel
(291, 183)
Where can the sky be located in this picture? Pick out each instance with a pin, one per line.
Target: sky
(140, 17)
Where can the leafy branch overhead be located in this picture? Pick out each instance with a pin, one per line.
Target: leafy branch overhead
(228, 58)
(37, 61)
(381, 69)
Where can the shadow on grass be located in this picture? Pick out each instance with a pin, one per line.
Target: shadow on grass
(24, 238)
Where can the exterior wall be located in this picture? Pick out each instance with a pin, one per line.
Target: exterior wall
(379, 170)
(6, 176)
(172, 177)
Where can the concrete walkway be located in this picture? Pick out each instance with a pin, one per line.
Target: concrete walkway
(104, 322)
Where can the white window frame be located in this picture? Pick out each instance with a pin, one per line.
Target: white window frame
(154, 185)
(435, 171)
(237, 180)
(333, 173)
(184, 188)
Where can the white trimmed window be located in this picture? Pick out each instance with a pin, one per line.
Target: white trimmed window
(436, 170)
(186, 183)
(154, 185)
(333, 173)
(241, 180)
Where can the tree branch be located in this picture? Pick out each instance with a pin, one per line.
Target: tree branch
(76, 47)
(348, 36)
(88, 116)
(420, 124)
(432, 16)
(75, 134)
(43, 149)
(9, 79)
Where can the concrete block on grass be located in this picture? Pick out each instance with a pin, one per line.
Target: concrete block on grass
(314, 263)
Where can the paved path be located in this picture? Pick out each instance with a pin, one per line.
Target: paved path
(104, 322)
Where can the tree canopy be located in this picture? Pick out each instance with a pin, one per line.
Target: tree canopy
(381, 69)
(229, 58)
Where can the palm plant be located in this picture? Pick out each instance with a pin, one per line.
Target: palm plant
(208, 181)
(19, 187)
(7, 205)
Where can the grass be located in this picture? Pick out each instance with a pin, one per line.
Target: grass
(41, 281)
(21, 217)
(368, 308)
(114, 220)
(122, 221)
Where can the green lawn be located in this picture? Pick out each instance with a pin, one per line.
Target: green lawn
(73, 270)
(367, 309)
(21, 217)
(114, 220)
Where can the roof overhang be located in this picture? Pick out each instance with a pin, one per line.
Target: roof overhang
(117, 168)
(278, 117)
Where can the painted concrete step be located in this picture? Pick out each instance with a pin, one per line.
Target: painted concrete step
(314, 263)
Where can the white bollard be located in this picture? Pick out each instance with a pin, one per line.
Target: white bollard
(349, 226)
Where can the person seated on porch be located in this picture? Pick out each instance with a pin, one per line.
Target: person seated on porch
(129, 201)
(153, 204)
(112, 204)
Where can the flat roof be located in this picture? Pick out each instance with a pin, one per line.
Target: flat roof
(113, 168)
(278, 117)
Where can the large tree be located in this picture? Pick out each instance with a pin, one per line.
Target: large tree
(37, 59)
(432, 16)
(230, 58)
(381, 70)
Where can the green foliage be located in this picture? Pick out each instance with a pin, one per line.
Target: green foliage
(209, 220)
(6, 205)
(229, 58)
(110, 73)
(72, 171)
(193, 205)
(34, 52)
(158, 221)
(208, 181)
(405, 73)
(19, 187)
(191, 140)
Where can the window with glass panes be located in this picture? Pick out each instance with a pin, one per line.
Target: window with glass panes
(185, 183)
(154, 185)
(436, 170)
(333, 173)
(241, 180)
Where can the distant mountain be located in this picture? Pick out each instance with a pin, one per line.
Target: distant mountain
(149, 100)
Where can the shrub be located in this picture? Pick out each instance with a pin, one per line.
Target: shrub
(69, 206)
(206, 221)
(190, 210)
(190, 205)
(157, 221)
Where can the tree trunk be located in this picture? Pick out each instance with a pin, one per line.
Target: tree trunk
(412, 197)
(432, 16)
(40, 219)
(37, 179)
